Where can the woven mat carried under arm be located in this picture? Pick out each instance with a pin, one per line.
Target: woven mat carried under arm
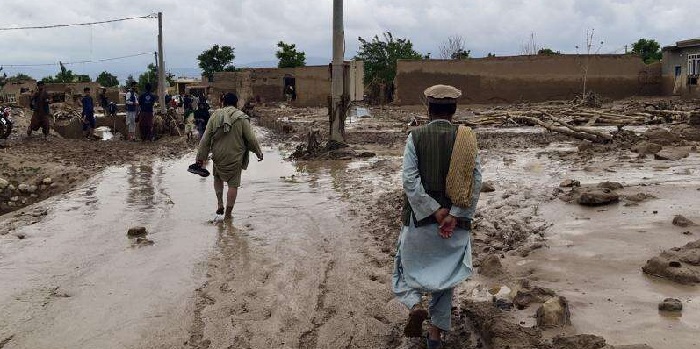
(460, 176)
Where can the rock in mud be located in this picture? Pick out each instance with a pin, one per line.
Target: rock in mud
(661, 136)
(137, 232)
(691, 133)
(143, 241)
(497, 332)
(639, 197)
(582, 341)
(3, 184)
(491, 266)
(47, 181)
(487, 187)
(672, 154)
(671, 304)
(646, 148)
(554, 313)
(681, 221)
(569, 183)
(610, 185)
(524, 297)
(680, 264)
(597, 197)
(23, 188)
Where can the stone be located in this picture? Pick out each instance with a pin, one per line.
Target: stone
(136, 232)
(11, 187)
(554, 313)
(21, 236)
(14, 199)
(491, 266)
(23, 187)
(487, 187)
(610, 185)
(597, 197)
(672, 154)
(691, 133)
(32, 189)
(4, 183)
(671, 304)
(681, 221)
(661, 136)
(582, 341)
(569, 183)
(526, 296)
(646, 148)
(47, 181)
(694, 118)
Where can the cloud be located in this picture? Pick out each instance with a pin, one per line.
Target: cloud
(254, 27)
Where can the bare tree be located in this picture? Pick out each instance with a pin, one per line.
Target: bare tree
(454, 48)
(530, 47)
(585, 61)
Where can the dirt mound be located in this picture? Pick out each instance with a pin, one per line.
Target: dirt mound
(679, 264)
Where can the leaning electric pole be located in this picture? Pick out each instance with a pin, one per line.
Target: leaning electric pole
(338, 101)
(161, 65)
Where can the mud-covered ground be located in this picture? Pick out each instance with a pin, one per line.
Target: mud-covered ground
(33, 169)
(530, 231)
(307, 262)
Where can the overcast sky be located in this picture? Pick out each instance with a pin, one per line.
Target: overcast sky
(254, 27)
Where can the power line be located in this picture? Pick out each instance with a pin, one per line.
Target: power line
(152, 15)
(72, 63)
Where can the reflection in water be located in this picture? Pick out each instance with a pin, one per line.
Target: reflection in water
(141, 191)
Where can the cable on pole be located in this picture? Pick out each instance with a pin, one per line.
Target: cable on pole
(152, 15)
(75, 62)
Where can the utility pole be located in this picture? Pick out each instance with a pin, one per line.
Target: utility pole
(336, 109)
(161, 65)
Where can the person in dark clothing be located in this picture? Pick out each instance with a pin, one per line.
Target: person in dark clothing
(201, 118)
(146, 102)
(187, 105)
(40, 107)
(88, 113)
(104, 101)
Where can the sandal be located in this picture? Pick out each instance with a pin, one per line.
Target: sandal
(414, 327)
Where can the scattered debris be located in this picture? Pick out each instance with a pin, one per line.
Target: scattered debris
(569, 183)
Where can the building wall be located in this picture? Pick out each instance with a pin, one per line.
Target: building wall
(267, 84)
(671, 84)
(528, 78)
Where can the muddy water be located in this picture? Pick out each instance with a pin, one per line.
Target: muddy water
(277, 277)
(594, 255)
(77, 281)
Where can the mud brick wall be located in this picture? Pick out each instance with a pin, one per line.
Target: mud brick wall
(529, 78)
(267, 84)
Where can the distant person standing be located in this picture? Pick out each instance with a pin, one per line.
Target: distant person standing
(187, 105)
(40, 114)
(104, 101)
(146, 102)
(89, 121)
(201, 118)
(229, 137)
(132, 101)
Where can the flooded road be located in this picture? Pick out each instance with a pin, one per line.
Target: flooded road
(290, 271)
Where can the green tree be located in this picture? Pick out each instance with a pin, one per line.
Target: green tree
(3, 79)
(648, 49)
(65, 75)
(19, 77)
(151, 76)
(107, 80)
(380, 56)
(490, 55)
(289, 57)
(216, 59)
(547, 52)
(129, 79)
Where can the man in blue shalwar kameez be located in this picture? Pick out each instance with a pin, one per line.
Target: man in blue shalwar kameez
(434, 247)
